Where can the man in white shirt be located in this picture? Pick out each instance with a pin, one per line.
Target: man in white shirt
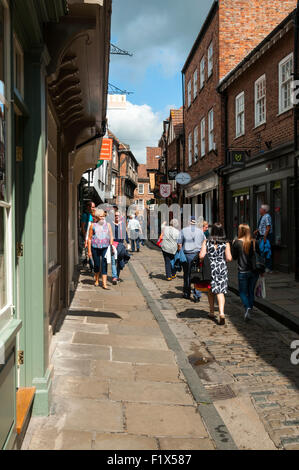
(134, 232)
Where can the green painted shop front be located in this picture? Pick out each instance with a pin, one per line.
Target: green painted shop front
(33, 269)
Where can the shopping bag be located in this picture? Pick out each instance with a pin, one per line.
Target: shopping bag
(260, 288)
(160, 239)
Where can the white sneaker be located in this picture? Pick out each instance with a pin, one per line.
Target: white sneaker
(247, 315)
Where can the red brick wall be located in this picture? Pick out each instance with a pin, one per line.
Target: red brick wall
(151, 161)
(244, 24)
(278, 129)
(172, 155)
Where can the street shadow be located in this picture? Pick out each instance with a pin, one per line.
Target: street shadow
(83, 313)
(158, 276)
(193, 313)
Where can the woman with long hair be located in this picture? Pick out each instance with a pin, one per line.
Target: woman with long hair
(218, 251)
(100, 238)
(243, 250)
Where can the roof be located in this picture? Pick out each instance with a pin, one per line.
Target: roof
(255, 53)
(202, 32)
(142, 171)
(152, 162)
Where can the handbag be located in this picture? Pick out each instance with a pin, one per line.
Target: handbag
(260, 288)
(257, 261)
(160, 239)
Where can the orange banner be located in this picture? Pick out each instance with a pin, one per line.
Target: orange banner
(106, 149)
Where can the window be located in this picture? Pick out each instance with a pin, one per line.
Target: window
(211, 130)
(203, 137)
(149, 189)
(240, 114)
(140, 188)
(260, 101)
(202, 72)
(5, 171)
(210, 59)
(114, 154)
(195, 78)
(141, 203)
(190, 149)
(189, 93)
(113, 185)
(196, 144)
(285, 79)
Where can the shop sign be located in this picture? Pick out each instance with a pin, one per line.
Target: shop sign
(172, 174)
(165, 190)
(106, 149)
(238, 158)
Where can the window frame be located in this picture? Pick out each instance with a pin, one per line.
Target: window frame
(202, 137)
(280, 84)
(190, 157)
(256, 101)
(238, 113)
(195, 146)
(189, 93)
(5, 99)
(139, 192)
(195, 82)
(210, 59)
(211, 129)
(202, 73)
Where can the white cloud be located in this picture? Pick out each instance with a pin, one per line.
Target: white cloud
(137, 126)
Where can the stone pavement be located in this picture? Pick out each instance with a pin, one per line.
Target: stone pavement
(245, 367)
(282, 296)
(116, 383)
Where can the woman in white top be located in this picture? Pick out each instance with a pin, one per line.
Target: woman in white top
(170, 247)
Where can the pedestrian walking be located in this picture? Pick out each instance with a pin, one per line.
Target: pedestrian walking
(264, 233)
(218, 251)
(119, 235)
(141, 220)
(243, 250)
(86, 220)
(190, 241)
(169, 247)
(100, 238)
(134, 232)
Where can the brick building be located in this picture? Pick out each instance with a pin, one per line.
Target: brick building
(144, 193)
(260, 133)
(219, 47)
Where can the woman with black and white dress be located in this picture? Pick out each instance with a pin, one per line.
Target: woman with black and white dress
(217, 249)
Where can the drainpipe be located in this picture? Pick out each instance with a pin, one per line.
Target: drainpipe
(296, 161)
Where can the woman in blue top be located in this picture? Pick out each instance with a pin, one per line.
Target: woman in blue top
(100, 238)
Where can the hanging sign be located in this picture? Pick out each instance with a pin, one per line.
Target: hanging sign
(106, 149)
(172, 174)
(238, 158)
(165, 190)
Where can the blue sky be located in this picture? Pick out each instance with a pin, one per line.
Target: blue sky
(160, 34)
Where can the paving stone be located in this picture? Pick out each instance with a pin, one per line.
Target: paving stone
(124, 442)
(159, 373)
(75, 367)
(133, 329)
(150, 392)
(143, 356)
(136, 342)
(84, 387)
(162, 421)
(185, 444)
(81, 351)
(112, 370)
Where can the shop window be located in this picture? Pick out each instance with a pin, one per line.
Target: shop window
(241, 209)
(277, 212)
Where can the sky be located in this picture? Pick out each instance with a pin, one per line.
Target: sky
(160, 35)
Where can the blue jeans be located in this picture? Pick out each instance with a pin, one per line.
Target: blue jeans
(247, 282)
(133, 243)
(170, 271)
(187, 272)
(98, 255)
(114, 267)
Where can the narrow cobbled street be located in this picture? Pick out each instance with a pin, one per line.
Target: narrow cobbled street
(139, 367)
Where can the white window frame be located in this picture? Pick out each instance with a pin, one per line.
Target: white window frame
(202, 72)
(288, 82)
(195, 80)
(5, 99)
(195, 140)
(189, 93)
(211, 129)
(240, 115)
(210, 59)
(190, 160)
(203, 137)
(139, 187)
(259, 122)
